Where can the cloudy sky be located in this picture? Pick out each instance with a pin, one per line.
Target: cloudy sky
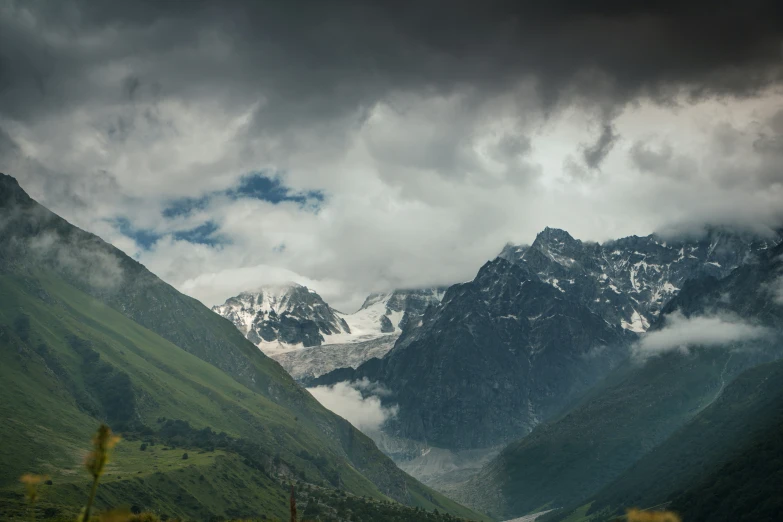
(357, 146)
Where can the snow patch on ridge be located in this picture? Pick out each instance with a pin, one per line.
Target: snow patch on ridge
(638, 323)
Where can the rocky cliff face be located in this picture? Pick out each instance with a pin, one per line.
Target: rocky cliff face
(501, 353)
(534, 330)
(629, 280)
(289, 314)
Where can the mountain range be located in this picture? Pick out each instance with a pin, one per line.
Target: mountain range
(294, 325)
(627, 281)
(712, 449)
(534, 336)
(536, 328)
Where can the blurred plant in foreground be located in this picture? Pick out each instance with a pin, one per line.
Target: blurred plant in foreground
(637, 515)
(31, 483)
(96, 461)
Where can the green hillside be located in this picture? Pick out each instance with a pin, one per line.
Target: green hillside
(728, 451)
(746, 488)
(571, 458)
(88, 335)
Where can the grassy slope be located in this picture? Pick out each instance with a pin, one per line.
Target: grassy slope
(175, 356)
(745, 489)
(571, 458)
(747, 415)
(45, 430)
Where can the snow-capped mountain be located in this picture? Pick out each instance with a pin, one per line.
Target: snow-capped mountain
(656, 427)
(405, 308)
(629, 280)
(375, 328)
(296, 327)
(276, 318)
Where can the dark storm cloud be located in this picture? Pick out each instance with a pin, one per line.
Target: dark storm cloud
(314, 60)
(467, 116)
(595, 153)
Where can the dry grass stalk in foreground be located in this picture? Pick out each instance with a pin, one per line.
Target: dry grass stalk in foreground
(31, 483)
(292, 504)
(96, 461)
(637, 515)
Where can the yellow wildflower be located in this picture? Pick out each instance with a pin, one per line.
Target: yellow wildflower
(636, 515)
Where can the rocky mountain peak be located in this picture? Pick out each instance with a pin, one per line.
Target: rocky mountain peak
(628, 280)
(373, 298)
(11, 193)
(289, 313)
(557, 238)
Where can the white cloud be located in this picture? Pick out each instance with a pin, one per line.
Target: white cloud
(215, 286)
(420, 190)
(431, 157)
(681, 333)
(86, 262)
(346, 400)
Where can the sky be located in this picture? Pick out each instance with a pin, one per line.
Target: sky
(359, 146)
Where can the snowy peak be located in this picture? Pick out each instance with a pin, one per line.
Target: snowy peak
(285, 318)
(277, 299)
(290, 314)
(627, 281)
(374, 330)
(557, 240)
(374, 299)
(392, 312)
(402, 300)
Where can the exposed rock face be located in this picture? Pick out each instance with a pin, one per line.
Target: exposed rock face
(502, 352)
(534, 330)
(629, 280)
(307, 364)
(289, 314)
(386, 324)
(652, 427)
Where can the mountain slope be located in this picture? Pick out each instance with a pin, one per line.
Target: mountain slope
(748, 412)
(570, 458)
(499, 354)
(519, 345)
(567, 460)
(746, 488)
(748, 409)
(536, 328)
(87, 334)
